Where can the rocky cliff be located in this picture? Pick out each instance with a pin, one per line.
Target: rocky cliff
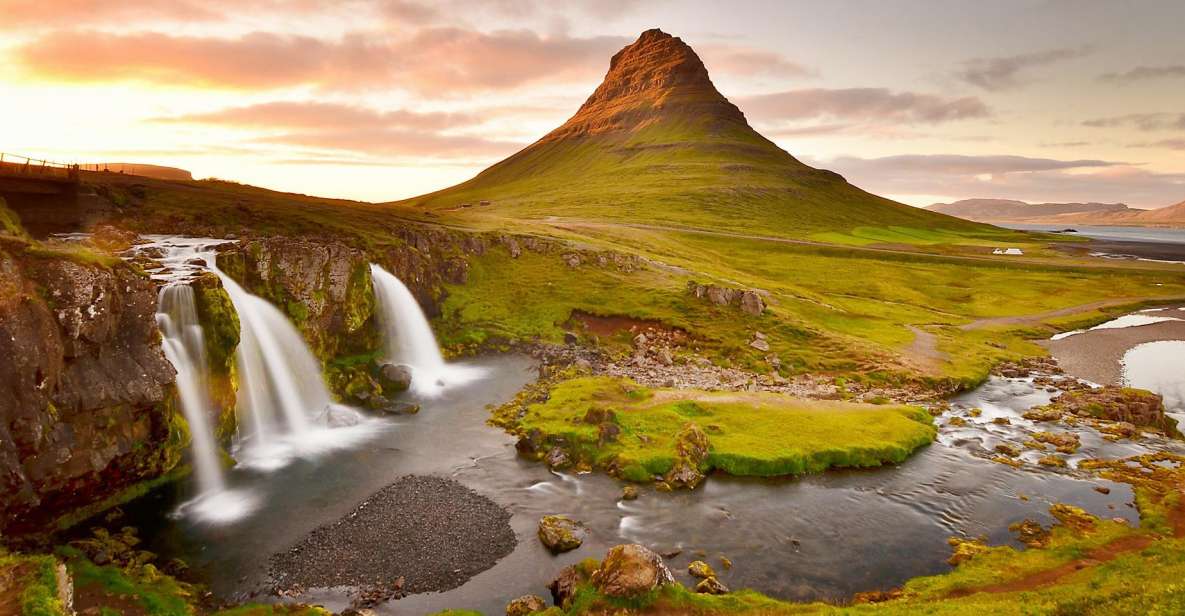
(85, 391)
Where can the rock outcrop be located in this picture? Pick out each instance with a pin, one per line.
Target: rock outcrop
(749, 301)
(85, 390)
(631, 570)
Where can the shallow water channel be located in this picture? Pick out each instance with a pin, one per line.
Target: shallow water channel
(822, 536)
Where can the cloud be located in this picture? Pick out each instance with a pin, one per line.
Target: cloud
(1168, 144)
(876, 105)
(434, 60)
(747, 61)
(1140, 73)
(73, 13)
(1005, 72)
(316, 115)
(1142, 121)
(396, 142)
(1010, 177)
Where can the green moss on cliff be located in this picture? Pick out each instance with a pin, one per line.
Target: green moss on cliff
(34, 582)
(10, 223)
(220, 323)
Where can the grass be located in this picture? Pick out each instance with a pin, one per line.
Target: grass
(753, 434)
(35, 579)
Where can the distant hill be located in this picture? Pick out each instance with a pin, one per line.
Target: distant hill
(150, 171)
(1010, 211)
(657, 143)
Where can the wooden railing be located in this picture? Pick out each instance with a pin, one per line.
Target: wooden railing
(15, 164)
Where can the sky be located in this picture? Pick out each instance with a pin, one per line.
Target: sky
(377, 100)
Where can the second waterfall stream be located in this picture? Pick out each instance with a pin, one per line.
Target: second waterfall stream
(409, 341)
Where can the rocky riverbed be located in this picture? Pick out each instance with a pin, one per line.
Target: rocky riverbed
(419, 534)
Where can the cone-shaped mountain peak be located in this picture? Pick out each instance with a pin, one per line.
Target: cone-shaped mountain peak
(655, 75)
(656, 143)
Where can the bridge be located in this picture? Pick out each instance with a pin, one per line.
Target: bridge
(49, 197)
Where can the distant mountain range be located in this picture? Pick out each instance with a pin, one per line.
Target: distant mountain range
(1012, 211)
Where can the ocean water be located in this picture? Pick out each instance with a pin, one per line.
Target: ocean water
(1119, 234)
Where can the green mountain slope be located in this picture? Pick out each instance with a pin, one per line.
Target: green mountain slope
(656, 143)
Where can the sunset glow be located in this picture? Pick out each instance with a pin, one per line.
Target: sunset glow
(385, 99)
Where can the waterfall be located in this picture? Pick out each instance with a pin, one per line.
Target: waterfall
(184, 346)
(409, 340)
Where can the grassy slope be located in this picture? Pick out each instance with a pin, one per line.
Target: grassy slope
(677, 171)
(750, 433)
(833, 308)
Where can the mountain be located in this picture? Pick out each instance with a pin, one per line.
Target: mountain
(656, 143)
(1006, 210)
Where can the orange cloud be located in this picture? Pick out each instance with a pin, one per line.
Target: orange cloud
(436, 61)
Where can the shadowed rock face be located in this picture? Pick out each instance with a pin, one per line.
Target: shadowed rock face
(83, 385)
(658, 74)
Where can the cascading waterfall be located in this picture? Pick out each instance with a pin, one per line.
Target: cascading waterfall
(184, 346)
(284, 408)
(409, 340)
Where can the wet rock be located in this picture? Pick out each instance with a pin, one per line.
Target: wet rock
(700, 569)
(400, 408)
(560, 533)
(1073, 518)
(557, 458)
(563, 587)
(337, 416)
(394, 377)
(711, 586)
(1065, 442)
(1052, 461)
(631, 570)
(526, 605)
(965, 549)
(1008, 449)
(691, 452)
(629, 493)
(1031, 533)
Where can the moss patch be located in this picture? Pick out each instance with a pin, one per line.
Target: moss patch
(617, 425)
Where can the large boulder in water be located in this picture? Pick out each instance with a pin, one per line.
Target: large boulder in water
(394, 377)
(526, 605)
(560, 533)
(631, 570)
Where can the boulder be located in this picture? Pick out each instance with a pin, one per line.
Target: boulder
(751, 303)
(395, 377)
(557, 458)
(560, 533)
(691, 451)
(525, 605)
(711, 586)
(563, 587)
(631, 570)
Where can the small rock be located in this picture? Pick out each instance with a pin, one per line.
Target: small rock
(629, 493)
(700, 569)
(560, 533)
(570, 339)
(525, 605)
(760, 345)
(640, 340)
(395, 377)
(400, 408)
(711, 586)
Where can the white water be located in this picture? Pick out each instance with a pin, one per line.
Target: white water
(1125, 321)
(409, 340)
(184, 346)
(284, 408)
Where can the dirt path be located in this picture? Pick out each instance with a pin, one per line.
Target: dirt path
(924, 352)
